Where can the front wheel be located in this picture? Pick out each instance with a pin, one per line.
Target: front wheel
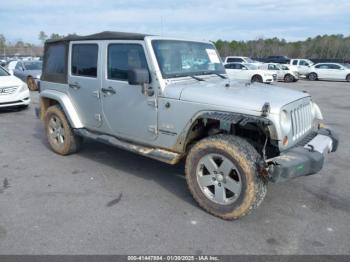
(257, 78)
(312, 76)
(348, 78)
(289, 78)
(221, 173)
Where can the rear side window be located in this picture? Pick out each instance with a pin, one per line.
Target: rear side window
(122, 57)
(55, 59)
(84, 60)
(55, 63)
(295, 62)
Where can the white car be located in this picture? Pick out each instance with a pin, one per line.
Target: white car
(329, 71)
(241, 59)
(13, 92)
(302, 66)
(249, 73)
(283, 72)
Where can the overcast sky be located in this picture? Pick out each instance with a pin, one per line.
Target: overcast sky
(197, 19)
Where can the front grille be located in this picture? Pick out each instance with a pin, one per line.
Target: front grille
(301, 120)
(7, 90)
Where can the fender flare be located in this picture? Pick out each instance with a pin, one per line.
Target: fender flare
(226, 118)
(64, 101)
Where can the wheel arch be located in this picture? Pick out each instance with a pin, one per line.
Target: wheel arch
(257, 75)
(208, 123)
(52, 97)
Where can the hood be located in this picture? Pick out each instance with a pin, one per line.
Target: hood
(7, 81)
(239, 95)
(33, 73)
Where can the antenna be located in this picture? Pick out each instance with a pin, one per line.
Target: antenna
(161, 25)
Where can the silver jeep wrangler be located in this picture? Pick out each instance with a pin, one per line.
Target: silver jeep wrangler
(170, 99)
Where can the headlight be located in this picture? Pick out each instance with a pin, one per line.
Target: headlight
(285, 122)
(316, 111)
(23, 88)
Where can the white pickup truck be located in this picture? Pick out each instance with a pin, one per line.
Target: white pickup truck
(302, 66)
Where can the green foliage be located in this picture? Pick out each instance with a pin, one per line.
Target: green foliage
(326, 46)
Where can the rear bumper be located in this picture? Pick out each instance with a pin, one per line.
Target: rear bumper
(303, 160)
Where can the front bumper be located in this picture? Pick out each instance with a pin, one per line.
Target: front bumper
(303, 160)
(17, 99)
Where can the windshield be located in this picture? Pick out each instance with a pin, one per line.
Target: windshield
(346, 65)
(251, 67)
(249, 60)
(33, 65)
(3, 72)
(284, 67)
(183, 58)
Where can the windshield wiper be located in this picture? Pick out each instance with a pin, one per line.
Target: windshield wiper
(220, 75)
(197, 78)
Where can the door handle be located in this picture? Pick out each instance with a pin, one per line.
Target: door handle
(108, 90)
(75, 86)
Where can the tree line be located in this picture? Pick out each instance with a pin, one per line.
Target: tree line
(319, 47)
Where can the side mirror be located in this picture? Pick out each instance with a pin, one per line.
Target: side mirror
(138, 76)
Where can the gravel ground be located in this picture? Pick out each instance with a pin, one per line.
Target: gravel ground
(107, 201)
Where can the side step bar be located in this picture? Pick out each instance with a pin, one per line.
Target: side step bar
(155, 153)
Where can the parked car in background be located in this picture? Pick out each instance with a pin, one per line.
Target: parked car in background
(280, 59)
(240, 59)
(13, 91)
(329, 71)
(28, 71)
(283, 72)
(250, 73)
(302, 66)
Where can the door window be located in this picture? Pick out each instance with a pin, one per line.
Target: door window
(295, 62)
(84, 60)
(333, 66)
(322, 66)
(122, 57)
(19, 66)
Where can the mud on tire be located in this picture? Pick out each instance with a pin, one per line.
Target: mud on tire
(59, 133)
(245, 159)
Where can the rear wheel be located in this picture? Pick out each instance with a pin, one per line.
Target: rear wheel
(288, 78)
(257, 78)
(222, 176)
(59, 133)
(312, 76)
(31, 84)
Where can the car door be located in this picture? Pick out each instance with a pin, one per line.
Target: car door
(275, 70)
(336, 72)
(84, 81)
(322, 71)
(129, 112)
(303, 67)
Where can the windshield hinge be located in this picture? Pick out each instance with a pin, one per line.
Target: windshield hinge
(265, 110)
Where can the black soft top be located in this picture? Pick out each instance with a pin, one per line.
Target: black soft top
(106, 35)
